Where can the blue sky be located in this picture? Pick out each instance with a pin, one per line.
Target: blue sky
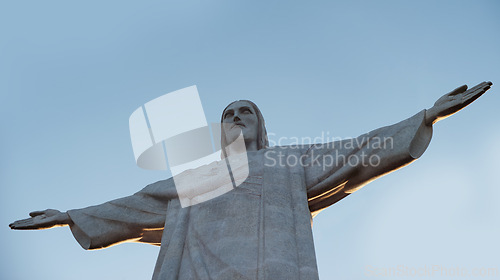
(72, 73)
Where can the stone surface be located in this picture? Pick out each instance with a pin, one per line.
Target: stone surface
(262, 228)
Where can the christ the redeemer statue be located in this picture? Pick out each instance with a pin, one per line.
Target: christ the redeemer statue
(262, 228)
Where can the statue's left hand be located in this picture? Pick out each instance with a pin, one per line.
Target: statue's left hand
(454, 101)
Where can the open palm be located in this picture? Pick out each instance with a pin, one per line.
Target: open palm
(455, 101)
(42, 220)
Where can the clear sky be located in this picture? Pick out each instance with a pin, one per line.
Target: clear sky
(71, 73)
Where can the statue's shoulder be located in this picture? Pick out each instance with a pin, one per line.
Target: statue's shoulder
(163, 188)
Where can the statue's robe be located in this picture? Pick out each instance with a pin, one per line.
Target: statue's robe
(262, 228)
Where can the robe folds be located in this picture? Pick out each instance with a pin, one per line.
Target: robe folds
(262, 228)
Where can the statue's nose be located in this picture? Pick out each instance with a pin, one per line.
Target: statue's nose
(236, 118)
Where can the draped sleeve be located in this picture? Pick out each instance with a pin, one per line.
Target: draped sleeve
(336, 169)
(136, 218)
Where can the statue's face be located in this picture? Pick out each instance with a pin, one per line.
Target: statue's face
(240, 117)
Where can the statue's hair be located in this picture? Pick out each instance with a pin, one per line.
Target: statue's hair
(262, 140)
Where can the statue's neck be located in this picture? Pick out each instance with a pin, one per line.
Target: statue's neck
(237, 147)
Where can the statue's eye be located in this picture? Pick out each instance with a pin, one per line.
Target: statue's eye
(246, 110)
(228, 115)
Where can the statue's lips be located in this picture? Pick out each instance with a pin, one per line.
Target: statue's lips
(238, 124)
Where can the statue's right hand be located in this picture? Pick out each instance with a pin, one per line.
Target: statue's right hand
(43, 220)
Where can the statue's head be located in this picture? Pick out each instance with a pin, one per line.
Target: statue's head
(243, 116)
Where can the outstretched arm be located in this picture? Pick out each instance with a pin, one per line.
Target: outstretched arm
(454, 101)
(45, 219)
(136, 218)
(345, 166)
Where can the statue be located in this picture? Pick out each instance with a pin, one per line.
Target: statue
(262, 228)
